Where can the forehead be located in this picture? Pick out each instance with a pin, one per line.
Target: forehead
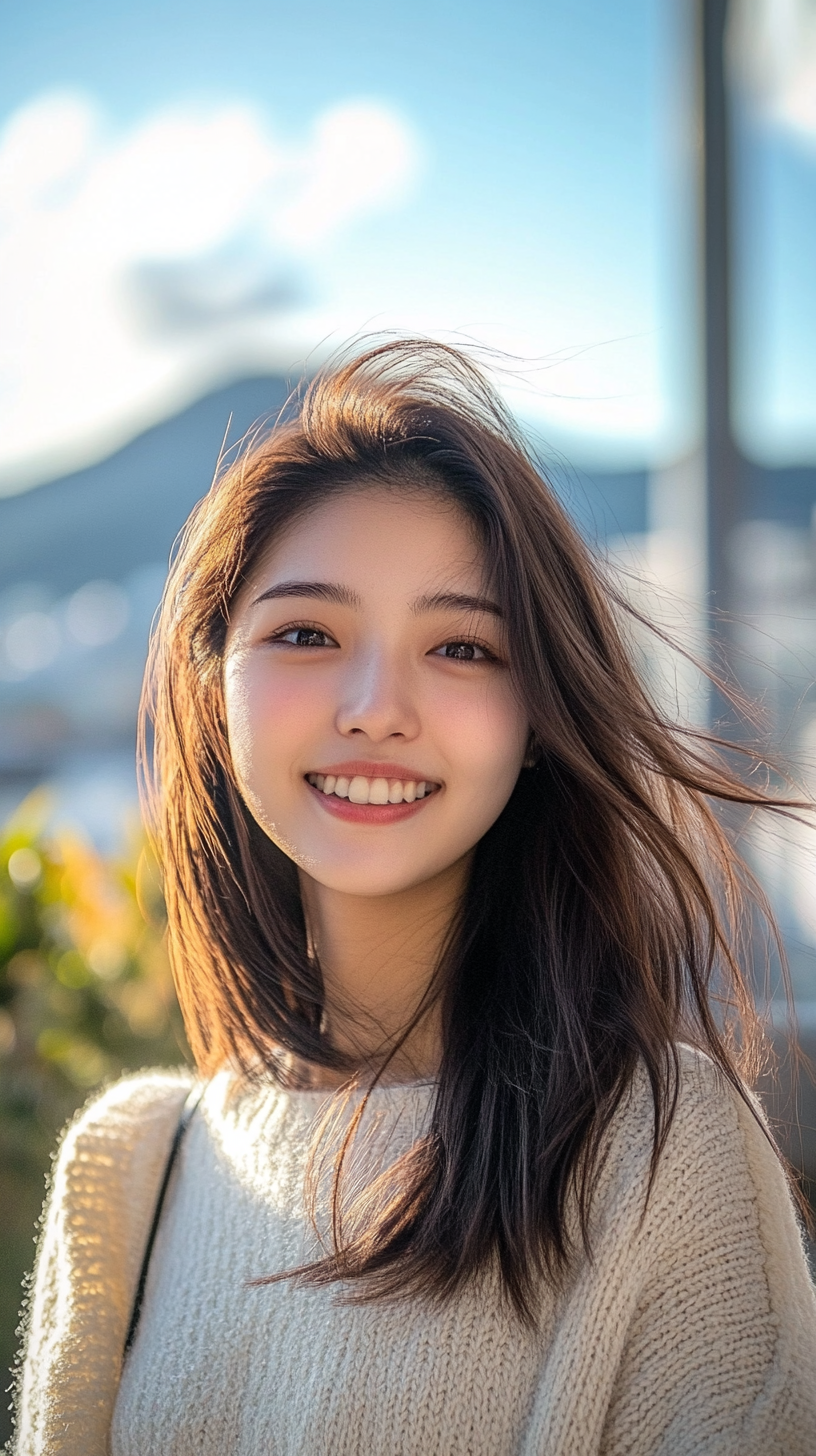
(397, 540)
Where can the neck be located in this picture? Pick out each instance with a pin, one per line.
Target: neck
(378, 956)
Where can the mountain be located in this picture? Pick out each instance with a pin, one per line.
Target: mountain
(125, 512)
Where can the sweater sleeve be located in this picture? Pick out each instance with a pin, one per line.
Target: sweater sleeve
(719, 1355)
(97, 1217)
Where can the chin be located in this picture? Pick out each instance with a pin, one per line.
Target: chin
(372, 880)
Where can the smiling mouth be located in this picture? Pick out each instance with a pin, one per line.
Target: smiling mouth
(361, 789)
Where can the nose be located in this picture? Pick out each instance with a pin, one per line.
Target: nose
(377, 699)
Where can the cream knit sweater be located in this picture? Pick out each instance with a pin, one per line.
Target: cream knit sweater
(692, 1332)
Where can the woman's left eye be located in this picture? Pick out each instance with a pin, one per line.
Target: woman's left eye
(305, 637)
(464, 652)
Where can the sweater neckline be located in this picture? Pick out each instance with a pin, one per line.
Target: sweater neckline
(266, 1087)
(267, 1081)
(383, 1092)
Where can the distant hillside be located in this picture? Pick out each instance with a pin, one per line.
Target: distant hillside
(127, 510)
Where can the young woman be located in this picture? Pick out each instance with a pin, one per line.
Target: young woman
(474, 1168)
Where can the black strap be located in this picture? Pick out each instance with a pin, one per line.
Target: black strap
(190, 1105)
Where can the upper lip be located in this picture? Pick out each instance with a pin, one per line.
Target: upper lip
(371, 770)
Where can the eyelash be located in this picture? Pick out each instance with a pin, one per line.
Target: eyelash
(488, 654)
(298, 627)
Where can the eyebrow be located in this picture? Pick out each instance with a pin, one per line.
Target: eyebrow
(343, 596)
(324, 591)
(459, 601)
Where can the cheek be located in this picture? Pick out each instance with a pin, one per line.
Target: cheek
(485, 735)
(269, 719)
(238, 708)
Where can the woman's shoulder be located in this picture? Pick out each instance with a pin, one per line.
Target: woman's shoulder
(719, 1164)
(131, 1118)
(107, 1171)
(723, 1123)
(131, 1100)
(712, 1252)
(709, 1112)
(98, 1212)
(715, 1153)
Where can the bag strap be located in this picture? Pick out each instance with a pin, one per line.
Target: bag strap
(190, 1105)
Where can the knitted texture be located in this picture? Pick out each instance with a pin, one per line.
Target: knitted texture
(690, 1332)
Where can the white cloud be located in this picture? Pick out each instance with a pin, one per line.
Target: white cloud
(139, 268)
(358, 162)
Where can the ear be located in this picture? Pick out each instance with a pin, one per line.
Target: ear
(533, 755)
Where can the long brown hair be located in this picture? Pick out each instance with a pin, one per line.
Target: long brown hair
(603, 913)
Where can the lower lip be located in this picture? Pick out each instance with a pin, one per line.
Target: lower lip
(368, 813)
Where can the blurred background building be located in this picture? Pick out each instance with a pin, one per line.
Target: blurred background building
(198, 203)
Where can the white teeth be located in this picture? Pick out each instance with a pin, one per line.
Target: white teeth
(361, 790)
(358, 790)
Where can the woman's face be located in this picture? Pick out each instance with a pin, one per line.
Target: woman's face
(373, 727)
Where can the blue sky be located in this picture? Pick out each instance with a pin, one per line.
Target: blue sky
(536, 195)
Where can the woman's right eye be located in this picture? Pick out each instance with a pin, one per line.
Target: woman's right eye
(305, 637)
